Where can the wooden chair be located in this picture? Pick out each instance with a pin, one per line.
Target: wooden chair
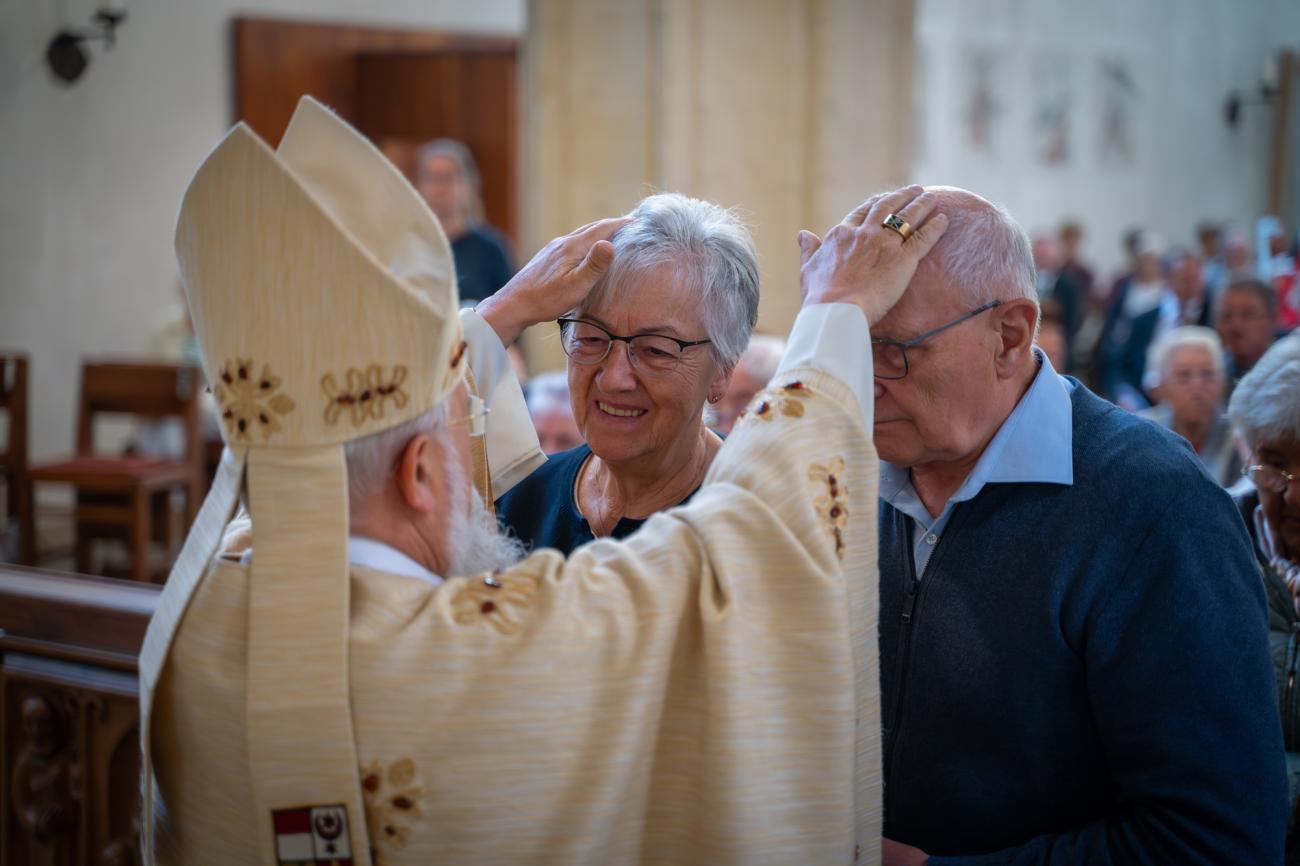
(118, 491)
(13, 459)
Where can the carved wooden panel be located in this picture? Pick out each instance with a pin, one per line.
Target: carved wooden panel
(69, 719)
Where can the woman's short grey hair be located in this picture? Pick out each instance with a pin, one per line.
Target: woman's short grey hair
(1265, 405)
(985, 255)
(1184, 337)
(371, 459)
(714, 253)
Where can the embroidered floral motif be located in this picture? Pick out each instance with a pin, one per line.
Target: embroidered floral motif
(392, 799)
(458, 353)
(366, 395)
(497, 598)
(250, 402)
(785, 400)
(833, 508)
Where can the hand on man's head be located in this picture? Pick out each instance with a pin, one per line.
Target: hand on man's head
(862, 261)
(555, 281)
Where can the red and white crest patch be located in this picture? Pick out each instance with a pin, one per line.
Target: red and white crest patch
(312, 836)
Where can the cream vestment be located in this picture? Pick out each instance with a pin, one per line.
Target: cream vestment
(705, 692)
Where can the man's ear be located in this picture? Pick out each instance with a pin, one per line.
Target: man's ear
(414, 471)
(1015, 321)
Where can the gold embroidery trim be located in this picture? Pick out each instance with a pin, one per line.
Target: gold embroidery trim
(833, 507)
(366, 396)
(250, 402)
(498, 599)
(784, 400)
(392, 798)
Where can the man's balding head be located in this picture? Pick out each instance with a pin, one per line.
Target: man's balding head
(984, 255)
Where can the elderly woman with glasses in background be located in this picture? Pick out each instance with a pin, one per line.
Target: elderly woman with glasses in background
(657, 337)
(1265, 410)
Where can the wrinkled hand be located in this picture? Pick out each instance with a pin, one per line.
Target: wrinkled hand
(862, 262)
(554, 282)
(896, 853)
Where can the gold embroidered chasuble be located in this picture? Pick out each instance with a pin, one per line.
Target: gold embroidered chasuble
(705, 692)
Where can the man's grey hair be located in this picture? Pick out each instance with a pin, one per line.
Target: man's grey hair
(985, 255)
(458, 153)
(714, 254)
(1265, 405)
(1187, 336)
(372, 459)
(548, 392)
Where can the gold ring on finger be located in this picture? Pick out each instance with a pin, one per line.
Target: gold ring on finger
(896, 223)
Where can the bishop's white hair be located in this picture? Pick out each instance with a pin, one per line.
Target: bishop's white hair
(474, 541)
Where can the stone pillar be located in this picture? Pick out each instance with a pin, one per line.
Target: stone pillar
(791, 111)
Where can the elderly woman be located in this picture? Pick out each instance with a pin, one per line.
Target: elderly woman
(1265, 410)
(1189, 385)
(657, 337)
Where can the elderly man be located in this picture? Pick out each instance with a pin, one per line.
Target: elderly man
(1247, 319)
(704, 692)
(1068, 673)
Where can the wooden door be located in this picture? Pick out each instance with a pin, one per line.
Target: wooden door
(406, 99)
(399, 87)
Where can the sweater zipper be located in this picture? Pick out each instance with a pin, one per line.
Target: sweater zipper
(909, 617)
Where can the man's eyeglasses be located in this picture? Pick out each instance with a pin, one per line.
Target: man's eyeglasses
(1269, 478)
(889, 357)
(651, 354)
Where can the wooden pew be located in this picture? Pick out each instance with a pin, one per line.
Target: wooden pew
(69, 722)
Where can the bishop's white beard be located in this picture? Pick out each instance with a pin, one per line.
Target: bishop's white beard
(475, 541)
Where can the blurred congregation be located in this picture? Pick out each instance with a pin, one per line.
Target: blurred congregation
(1148, 153)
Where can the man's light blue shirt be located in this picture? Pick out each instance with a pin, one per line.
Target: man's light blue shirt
(1034, 445)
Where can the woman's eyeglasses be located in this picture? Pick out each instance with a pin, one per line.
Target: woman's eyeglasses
(652, 354)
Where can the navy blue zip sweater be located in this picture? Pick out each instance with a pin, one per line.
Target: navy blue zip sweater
(1082, 673)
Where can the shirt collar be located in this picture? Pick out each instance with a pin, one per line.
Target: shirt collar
(1034, 444)
(368, 553)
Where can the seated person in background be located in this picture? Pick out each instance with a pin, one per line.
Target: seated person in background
(1051, 336)
(1189, 385)
(552, 413)
(753, 371)
(1072, 264)
(1057, 284)
(448, 178)
(657, 337)
(1130, 324)
(1265, 410)
(1247, 321)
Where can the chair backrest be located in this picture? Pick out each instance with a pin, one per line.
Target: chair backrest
(148, 390)
(13, 402)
